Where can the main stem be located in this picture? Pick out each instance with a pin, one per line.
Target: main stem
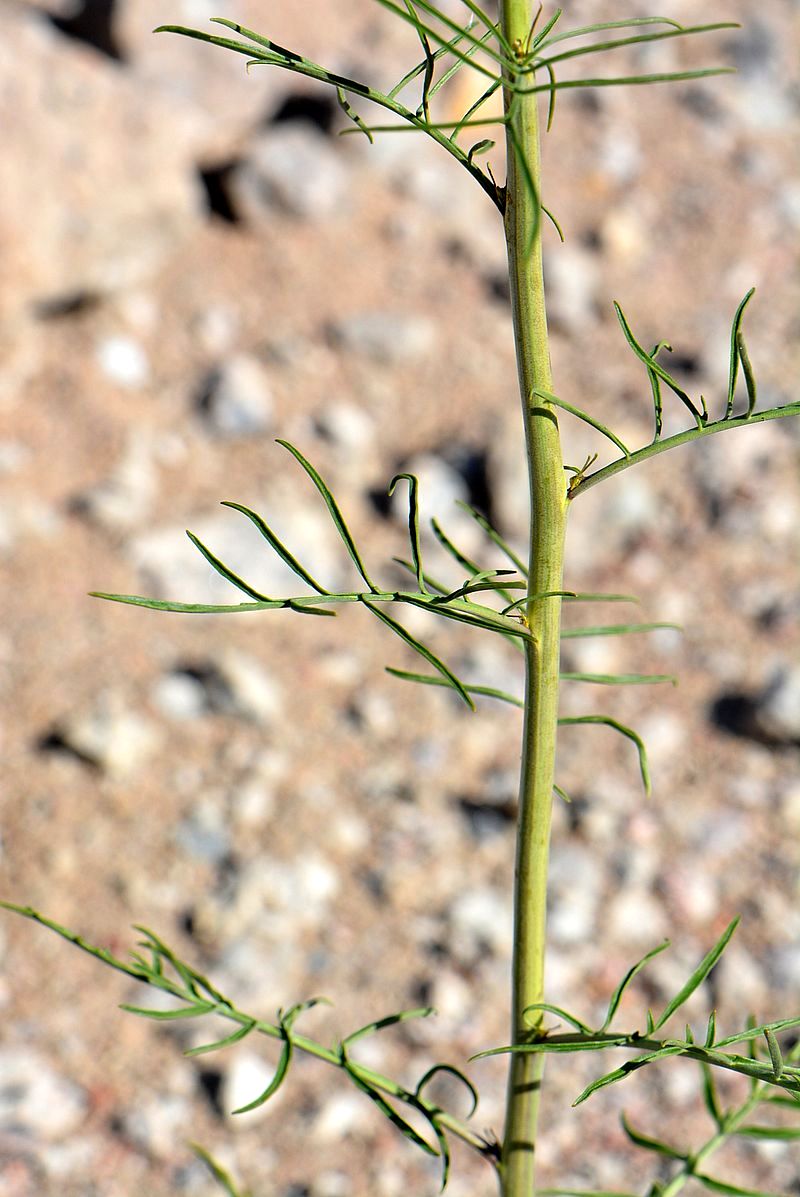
(548, 504)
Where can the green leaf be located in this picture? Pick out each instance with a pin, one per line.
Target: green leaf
(447, 544)
(733, 368)
(711, 1097)
(616, 629)
(628, 732)
(774, 1133)
(584, 30)
(222, 1177)
(774, 1053)
(284, 1061)
(620, 679)
(632, 972)
(278, 547)
(721, 1186)
(559, 1012)
(229, 1040)
(349, 111)
(137, 600)
(390, 1020)
(387, 1109)
(195, 1011)
(756, 1032)
(335, 513)
(635, 39)
(699, 975)
(650, 1144)
(420, 648)
(627, 1068)
(494, 536)
(654, 367)
(549, 397)
(457, 1073)
(225, 572)
(425, 679)
(413, 524)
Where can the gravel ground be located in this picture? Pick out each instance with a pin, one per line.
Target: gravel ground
(194, 263)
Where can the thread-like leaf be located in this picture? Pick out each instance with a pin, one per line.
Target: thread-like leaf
(494, 536)
(722, 1186)
(222, 1177)
(650, 1144)
(699, 975)
(620, 679)
(194, 1011)
(335, 513)
(300, 605)
(425, 679)
(634, 40)
(452, 1071)
(733, 368)
(632, 972)
(627, 1068)
(413, 524)
(448, 545)
(349, 111)
(628, 732)
(225, 571)
(775, 1054)
(549, 397)
(442, 39)
(387, 1109)
(654, 367)
(775, 1134)
(278, 547)
(390, 1020)
(420, 648)
(559, 1012)
(711, 1029)
(616, 629)
(756, 1032)
(600, 27)
(284, 1061)
(711, 1097)
(628, 80)
(229, 1040)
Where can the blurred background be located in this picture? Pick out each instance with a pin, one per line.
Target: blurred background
(194, 262)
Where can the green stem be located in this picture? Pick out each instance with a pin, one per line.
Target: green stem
(523, 221)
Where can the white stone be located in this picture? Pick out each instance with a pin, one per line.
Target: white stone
(238, 398)
(123, 361)
(34, 1099)
(292, 167)
(246, 1076)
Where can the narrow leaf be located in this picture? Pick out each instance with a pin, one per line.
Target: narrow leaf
(224, 570)
(629, 734)
(626, 1069)
(721, 1186)
(278, 546)
(413, 524)
(776, 1134)
(420, 648)
(711, 1097)
(699, 975)
(195, 1011)
(620, 679)
(426, 679)
(239, 1034)
(616, 629)
(390, 1020)
(653, 365)
(650, 1144)
(632, 972)
(335, 513)
(548, 397)
(458, 1074)
(774, 1053)
(494, 536)
(281, 1070)
(222, 1177)
(559, 1012)
(387, 1109)
(349, 111)
(733, 368)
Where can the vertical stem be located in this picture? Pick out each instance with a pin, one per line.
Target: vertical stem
(548, 503)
